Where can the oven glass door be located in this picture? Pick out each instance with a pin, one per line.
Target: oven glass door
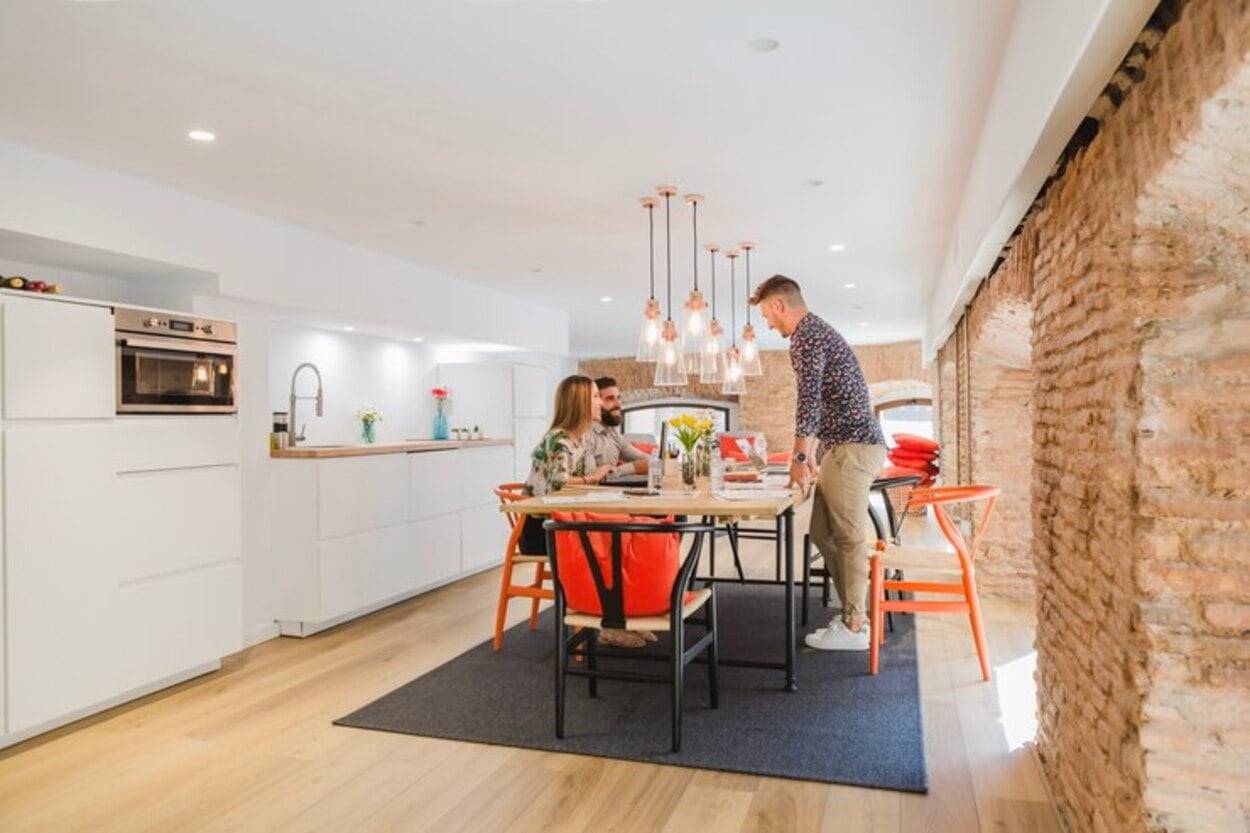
(182, 376)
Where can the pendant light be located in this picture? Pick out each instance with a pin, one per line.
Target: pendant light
(710, 359)
(750, 349)
(735, 380)
(670, 363)
(694, 328)
(649, 337)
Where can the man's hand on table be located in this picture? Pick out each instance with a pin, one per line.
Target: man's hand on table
(800, 476)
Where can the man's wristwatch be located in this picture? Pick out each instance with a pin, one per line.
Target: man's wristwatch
(801, 457)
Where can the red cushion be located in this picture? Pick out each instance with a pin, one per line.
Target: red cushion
(904, 457)
(729, 449)
(645, 448)
(915, 442)
(649, 565)
(900, 471)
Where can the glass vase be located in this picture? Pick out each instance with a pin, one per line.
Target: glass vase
(441, 431)
(368, 431)
(688, 469)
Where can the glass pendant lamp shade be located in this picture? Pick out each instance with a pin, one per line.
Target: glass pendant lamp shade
(710, 358)
(670, 363)
(750, 353)
(649, 338)
(649, 335)
(750, 349)
(735, 381)
(694, 327)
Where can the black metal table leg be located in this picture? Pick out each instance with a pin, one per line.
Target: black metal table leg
(785, 526)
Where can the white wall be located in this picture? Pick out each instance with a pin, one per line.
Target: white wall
(355, 370)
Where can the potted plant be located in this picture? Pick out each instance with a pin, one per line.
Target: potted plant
(441, 431)
(369, 417)
(691, 432)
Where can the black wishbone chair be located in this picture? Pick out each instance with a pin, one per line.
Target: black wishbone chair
(612, 600)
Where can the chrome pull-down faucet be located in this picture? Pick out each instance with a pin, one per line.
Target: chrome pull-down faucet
(294, 438)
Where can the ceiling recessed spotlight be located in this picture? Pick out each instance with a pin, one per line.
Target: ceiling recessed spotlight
(202, 135)
(763, 45)
(863, 323)
(849, 285)
(416, 223)
(606, 299)
(837, 247)
(349, 328)
(418, 339)
(814, 183)
(537, 269)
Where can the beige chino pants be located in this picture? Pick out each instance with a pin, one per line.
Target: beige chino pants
(839, 527)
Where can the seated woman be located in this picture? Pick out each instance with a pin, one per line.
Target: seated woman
(563, 457)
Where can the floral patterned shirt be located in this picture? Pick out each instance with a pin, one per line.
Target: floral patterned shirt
(555, 459)
(833, 401)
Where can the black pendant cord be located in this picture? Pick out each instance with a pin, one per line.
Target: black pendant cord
(733, 310)
(711, 256)
(651, 237)
(668, 255)
(748, 287)
(695, 207)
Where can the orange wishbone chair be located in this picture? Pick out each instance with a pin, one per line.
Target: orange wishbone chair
(937, 497)
(535, 590)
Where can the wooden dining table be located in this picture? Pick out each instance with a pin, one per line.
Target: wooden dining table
(773, 505)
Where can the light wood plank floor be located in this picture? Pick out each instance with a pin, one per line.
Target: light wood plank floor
(252, 748)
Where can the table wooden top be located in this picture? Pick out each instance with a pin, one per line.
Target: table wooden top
(668, 502)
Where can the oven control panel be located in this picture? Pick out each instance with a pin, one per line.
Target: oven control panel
(145, 321)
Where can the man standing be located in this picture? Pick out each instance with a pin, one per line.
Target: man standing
(606, 442)
(834, 411)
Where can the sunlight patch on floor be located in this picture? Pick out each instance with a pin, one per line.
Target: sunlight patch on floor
(1017, 699)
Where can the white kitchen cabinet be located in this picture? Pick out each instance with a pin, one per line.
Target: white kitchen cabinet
(437, 543)
(429, 476)
(63, 654)
(350, 535)
(529, 432)
(484, 533)
(122, 560)
(58, 360)
(359, 493)
(482, 471)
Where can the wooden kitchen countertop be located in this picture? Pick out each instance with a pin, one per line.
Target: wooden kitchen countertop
(315, 452)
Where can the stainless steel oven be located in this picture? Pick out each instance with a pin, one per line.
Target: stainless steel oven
(175, 364)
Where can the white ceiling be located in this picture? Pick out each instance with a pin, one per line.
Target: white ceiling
(523, 132)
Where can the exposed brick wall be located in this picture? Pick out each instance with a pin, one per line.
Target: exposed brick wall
(1140, 273)
(768, 404)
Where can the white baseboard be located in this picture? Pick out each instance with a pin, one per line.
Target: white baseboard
(124, 697)
(261, 633)
(300, 629)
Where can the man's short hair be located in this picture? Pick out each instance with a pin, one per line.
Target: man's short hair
(605, 382)
(780, 285)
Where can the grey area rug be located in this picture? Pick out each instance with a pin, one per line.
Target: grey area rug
(841, 726)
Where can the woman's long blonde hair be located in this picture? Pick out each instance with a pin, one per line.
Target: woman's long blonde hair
(573, 409)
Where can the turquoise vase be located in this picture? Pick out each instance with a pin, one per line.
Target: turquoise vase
(368, 431)
(441, 431)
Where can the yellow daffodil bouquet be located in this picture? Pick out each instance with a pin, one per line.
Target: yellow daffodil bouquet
(690, 430)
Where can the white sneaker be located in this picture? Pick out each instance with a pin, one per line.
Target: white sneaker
(838, 637)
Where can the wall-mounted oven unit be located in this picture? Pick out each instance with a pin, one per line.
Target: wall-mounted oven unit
(168, 363)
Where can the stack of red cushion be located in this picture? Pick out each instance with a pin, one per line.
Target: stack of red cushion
(913, 454)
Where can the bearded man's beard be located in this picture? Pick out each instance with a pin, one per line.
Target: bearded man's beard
(612, 419)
